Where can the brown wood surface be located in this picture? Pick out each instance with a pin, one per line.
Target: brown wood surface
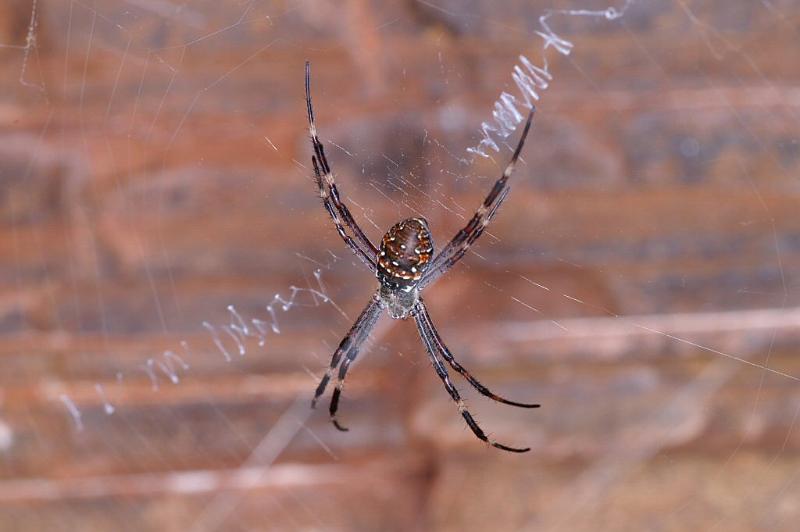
(641, 282)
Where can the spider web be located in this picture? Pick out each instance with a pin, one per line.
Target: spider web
(163, 335)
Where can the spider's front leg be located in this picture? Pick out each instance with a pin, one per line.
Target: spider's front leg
(435, 346)
(425, 319)
(348, 348)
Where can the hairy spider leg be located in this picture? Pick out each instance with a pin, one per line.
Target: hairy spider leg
(349, 348)
(329, 193)
(369, 324)
(433, 334)
(461, 242)
(368, 260)
(441, 371)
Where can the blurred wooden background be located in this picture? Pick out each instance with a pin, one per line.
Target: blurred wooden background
(154, 166)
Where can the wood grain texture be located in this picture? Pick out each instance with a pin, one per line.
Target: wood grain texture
(641, 282)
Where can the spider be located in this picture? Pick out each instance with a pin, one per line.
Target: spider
(404, 265)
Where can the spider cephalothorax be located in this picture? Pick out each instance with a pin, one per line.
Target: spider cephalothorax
(404, 265)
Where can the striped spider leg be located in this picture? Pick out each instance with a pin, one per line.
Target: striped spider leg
(463, 240)
(436, 348)
(338, 211)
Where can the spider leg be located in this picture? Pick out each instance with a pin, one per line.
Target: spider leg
(361, 246)
(349, 347)
(433, 334)
(466, 236)
(451, 389)
(337, 391)
(436, 270)
(368, 260)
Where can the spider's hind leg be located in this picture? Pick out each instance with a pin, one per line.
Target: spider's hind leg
(359, 243)
(461, 242)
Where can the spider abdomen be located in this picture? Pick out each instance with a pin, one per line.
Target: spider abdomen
(406, 250)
